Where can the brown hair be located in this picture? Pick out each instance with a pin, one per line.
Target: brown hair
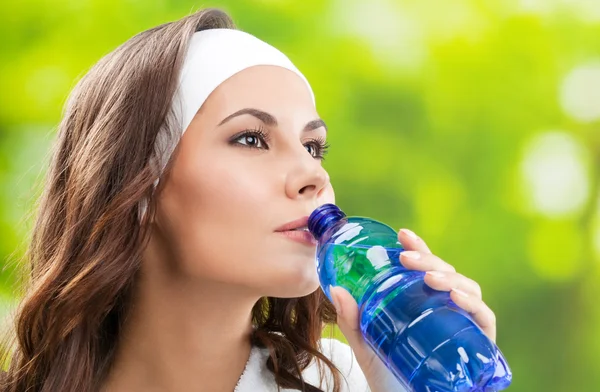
(87, 238)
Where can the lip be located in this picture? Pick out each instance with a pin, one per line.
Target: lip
(304, 237)
(301, 222)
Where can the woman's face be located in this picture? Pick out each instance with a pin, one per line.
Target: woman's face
(238, 178)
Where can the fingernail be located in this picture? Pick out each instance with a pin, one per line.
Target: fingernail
(335, 301)
(461, 293)
(410, 234)
(436, 274)
(411, 254)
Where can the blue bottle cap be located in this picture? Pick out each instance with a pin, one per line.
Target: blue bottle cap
(323, 217)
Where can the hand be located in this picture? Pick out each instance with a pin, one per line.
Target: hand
(440, 275)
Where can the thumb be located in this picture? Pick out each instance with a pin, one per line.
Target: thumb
(378, 376)
(348, 321)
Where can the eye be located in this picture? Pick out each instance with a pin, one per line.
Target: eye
(251, 138)
(318, 148)
(312, 149)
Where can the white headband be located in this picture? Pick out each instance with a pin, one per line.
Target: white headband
(214, 56)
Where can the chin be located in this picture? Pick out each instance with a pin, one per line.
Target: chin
(309, 288)
(291, 293)
(295, 285)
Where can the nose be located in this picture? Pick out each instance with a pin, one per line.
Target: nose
(307, 179)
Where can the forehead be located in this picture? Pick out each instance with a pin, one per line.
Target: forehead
(266, 87)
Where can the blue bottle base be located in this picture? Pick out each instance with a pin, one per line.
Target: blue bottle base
(424, 338)
(434, 373)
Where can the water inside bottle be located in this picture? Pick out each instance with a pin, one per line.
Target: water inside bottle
(425, 334)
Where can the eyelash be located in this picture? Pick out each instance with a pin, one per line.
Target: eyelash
(319, 143)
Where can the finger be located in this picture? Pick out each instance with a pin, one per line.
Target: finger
(411, 241)
(347, 316)
(349, 323)
(446, 281)
(378, 376)
(346, 308)
(419, 261)
(481, 313)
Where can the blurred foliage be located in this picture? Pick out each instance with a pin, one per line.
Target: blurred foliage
(475, 123)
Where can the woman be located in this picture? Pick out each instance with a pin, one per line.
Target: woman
(197, 281)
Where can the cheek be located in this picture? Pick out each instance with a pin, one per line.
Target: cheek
(221, 232)
(225, 192)
(220, 213)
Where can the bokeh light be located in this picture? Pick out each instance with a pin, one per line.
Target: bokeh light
(580, 96)
(474, 123)
(555, 174)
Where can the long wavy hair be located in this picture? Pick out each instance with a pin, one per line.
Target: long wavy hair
(87, 238)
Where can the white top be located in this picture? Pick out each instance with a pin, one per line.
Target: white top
(256, 377)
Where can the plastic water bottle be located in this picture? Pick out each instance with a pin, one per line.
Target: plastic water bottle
(423, 337)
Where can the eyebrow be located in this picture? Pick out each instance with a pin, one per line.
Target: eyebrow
(270, 120)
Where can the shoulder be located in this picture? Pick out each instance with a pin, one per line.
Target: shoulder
(256, 376)
(354, 379)
(342, 356)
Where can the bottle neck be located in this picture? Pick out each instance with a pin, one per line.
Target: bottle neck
(323, 218)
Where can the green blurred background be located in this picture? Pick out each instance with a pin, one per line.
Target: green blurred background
(474, 123)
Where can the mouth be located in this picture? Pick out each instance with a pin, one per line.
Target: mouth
(297, 230)
(300, 224)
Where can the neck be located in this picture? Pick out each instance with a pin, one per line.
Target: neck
(182, 335)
